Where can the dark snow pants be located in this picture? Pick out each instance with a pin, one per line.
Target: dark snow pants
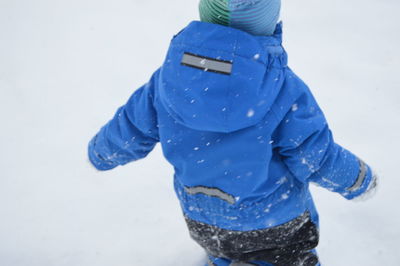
(288, 244)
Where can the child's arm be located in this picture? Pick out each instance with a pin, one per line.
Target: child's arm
(309, 151)
(130, 135)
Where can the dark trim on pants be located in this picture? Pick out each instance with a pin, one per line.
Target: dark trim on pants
(287, 244)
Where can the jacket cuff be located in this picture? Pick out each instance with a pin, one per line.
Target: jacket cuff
(371, 190)
(361, 184)
(97, 160)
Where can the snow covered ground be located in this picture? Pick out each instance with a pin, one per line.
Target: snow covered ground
(65, 66)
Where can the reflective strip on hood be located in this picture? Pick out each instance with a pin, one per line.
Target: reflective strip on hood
(207, 64)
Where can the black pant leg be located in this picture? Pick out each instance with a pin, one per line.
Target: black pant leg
(283, 245)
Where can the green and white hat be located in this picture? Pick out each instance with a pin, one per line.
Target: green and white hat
(258, 17)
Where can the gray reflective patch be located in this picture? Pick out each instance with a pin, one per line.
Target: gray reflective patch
(361, 177)
(207, 64)
(212, 192)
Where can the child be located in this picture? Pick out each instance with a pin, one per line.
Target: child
(244, 134)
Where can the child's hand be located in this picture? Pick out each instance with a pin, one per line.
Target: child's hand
(97, 169)
(370, 192)
(91, 166)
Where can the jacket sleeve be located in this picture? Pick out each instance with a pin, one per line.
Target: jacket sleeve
(130, 135)
(307, 147)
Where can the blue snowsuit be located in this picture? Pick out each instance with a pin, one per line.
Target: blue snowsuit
(245, 137)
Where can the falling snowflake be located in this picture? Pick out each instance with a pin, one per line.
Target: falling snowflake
(250, 113)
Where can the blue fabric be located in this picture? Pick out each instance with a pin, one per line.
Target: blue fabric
(257, 135)
(225, 262)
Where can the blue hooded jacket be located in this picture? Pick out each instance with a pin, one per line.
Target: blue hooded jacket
(243, 133)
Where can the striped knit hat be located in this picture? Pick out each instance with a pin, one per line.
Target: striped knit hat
(258, 17)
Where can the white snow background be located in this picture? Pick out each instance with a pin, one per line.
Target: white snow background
(65, 67)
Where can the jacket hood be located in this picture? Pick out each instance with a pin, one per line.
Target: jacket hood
(221, 79)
